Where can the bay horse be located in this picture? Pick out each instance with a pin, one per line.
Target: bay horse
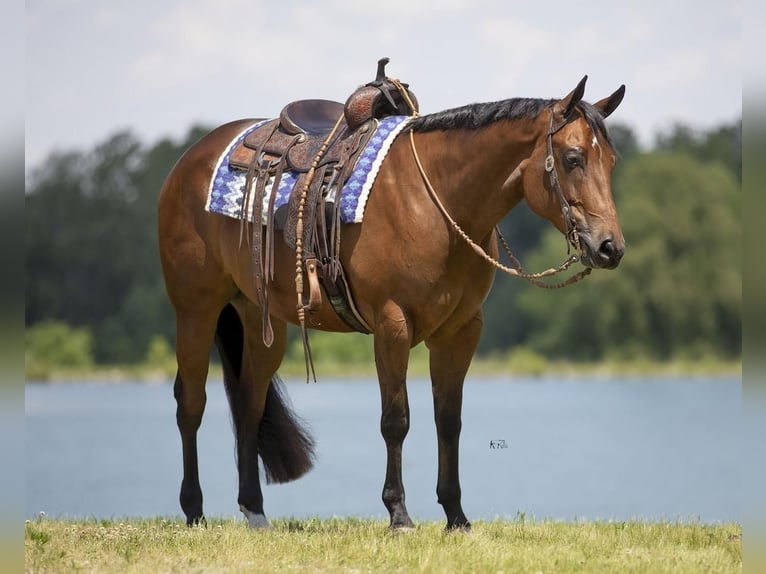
(413, 268)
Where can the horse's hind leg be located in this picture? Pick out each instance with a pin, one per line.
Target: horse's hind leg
(263, 424)
(195, 329)
(248, 368)
(450, 357)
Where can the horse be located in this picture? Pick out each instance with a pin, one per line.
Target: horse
(419, 266)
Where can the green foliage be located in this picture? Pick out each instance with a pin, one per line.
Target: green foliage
(53, 344)
(160, 356)
(524, 360)
(677, 291)
(625, 141)
(722, 145)
(91, 244)
(92, 261)
(343, 349)
(341, 353)
(505, 323)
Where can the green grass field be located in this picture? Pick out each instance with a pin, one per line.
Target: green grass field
(355, 545)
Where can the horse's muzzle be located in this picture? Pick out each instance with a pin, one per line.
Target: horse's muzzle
(606, 256)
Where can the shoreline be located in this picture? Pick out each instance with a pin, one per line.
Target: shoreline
(484, 367)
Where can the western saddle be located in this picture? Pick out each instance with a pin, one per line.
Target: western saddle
(319, 141)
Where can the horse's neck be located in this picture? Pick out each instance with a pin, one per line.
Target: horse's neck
(468, 169)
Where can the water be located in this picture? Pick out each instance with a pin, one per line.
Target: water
(664, 448)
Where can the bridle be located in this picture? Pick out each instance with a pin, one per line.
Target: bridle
(572, 236)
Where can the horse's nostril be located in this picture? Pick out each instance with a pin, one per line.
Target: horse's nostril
(607, 248)
(610, 251)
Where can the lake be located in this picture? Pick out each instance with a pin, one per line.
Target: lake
(562, 448)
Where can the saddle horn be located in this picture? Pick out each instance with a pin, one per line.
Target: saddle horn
(381, 75)
(379, 98)
(381, 83)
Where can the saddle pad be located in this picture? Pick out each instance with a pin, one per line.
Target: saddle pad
(227, 186)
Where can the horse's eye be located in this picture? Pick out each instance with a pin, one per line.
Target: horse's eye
(574, 158)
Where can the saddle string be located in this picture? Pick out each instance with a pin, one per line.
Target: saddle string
(301, 306)
(255, 162)
(405, 94)
(269, 248)
(517, 270)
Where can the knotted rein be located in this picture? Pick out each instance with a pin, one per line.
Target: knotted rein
(572, 237)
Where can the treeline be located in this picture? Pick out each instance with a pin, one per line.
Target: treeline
(95, 293)
(677, 292)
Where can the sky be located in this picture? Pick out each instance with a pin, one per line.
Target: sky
(158, 67)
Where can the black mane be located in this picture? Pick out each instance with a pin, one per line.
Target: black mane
(479, 115)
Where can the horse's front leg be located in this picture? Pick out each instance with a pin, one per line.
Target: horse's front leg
(393, 335)
(450, 357)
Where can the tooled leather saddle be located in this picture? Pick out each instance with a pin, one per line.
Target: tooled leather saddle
(318, 141)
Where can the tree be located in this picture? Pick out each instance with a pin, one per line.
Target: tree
(625, 141)
(92, 260)
(91, 244)
(505, 324)
(721, 145)
(678, 289)
(52, 344)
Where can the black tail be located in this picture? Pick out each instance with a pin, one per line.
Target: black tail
(286, 448)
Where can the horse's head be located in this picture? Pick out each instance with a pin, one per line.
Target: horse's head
(567, 179)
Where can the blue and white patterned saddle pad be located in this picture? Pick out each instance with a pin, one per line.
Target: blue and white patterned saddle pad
(227, 186)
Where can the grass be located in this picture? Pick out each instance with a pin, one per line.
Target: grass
(356, 545)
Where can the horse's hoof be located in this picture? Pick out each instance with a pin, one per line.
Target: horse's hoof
(465, 528)
(402, 529)
(200, 521)
(256, 521)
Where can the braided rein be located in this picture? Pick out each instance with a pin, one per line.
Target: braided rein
(517, 270)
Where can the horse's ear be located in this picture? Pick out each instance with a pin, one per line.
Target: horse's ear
(608, 105)
(563, 108)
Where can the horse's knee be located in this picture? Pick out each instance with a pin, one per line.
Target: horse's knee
(394, 425)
